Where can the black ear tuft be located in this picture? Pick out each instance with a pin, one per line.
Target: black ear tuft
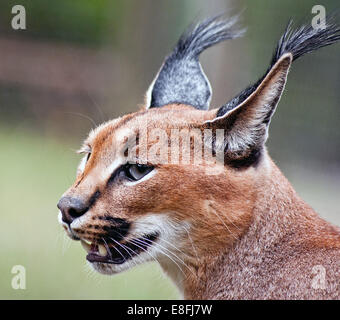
(181, 78)
(297, 42)
(246, 126)
(305, 39)
(247, 116)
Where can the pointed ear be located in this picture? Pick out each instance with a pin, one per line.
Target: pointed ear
(246, 125)
(246, 117)
(181, 78)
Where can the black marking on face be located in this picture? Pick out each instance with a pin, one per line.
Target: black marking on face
(116, 230)
(93, 199)
(118, 256)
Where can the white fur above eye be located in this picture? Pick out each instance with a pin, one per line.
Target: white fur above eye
(81, 166)
(107, 172)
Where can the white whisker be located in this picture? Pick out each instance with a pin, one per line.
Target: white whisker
(142, 242)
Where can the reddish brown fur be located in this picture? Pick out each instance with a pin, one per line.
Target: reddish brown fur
(249, 231)
(235, 229)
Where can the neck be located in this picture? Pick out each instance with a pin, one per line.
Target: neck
(278, 220)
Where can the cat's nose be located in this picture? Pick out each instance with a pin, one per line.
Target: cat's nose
(71, 208)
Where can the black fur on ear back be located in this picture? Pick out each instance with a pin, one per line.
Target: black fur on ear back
(297, 42)
(181, 78)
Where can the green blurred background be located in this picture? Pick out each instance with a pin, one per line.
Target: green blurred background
(81, 62)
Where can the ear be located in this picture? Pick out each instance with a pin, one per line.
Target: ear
(246, 125)
(181, 78)
(246, 117)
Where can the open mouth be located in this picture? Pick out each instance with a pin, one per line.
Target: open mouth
(118, 252)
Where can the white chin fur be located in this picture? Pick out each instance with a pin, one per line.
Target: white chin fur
(111, 269)
(169, 233)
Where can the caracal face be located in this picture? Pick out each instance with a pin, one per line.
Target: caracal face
(127, 210)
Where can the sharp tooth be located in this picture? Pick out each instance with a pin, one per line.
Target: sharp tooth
(85, 245)
(102, 250)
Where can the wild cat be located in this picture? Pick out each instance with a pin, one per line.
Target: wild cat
(229, 227)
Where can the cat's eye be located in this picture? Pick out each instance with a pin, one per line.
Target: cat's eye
(137, 171)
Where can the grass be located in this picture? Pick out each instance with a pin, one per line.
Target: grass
(34, 172)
